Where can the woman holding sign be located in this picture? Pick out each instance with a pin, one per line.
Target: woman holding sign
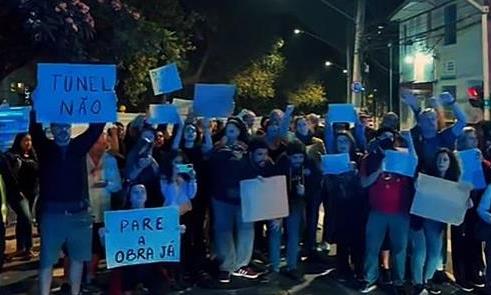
(426, 235)
(347, 211)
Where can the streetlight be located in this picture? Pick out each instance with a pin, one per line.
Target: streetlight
(297, 31)
(345, 71)
(328, 63)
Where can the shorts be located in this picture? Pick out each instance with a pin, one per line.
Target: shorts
(97, 248)
(72, 230)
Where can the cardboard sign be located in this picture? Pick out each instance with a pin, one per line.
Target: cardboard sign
(335, 163)
(14, 119)
(471, 168)
(163, 114)
(441, 200)
(264, 199)
(399, 162)
(342, 113)
(165, 79)
(142, 236)
(75, 93)
(214, 100)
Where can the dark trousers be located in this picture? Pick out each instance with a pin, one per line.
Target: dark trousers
(194, 246)
(312, 217)
(23, 227)
(2, 241)
(467, 250)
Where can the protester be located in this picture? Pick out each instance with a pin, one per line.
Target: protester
(346, 218)
(64, 199)
(426, 235)
(233, 238)
(303, 179)
(390, 196)
(484, 230)
(197, 148)
(467, 258)
(23, 164)
(3, 220)
(104, 180)
(429, 138)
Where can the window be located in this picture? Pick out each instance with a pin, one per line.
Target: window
(450, 19)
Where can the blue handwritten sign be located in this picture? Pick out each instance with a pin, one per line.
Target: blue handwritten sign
(142, 236)
(471, 166)
(163, 114)
(214, 100)
(335, 163)
(165, 79)
(342, 113)
(14, 119)
(398, 162)
(75, 93)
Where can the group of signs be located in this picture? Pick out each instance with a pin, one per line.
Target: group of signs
(71, 93)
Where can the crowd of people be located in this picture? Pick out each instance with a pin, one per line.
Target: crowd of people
(63, 186)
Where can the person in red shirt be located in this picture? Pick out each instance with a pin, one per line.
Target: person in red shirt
(390, 197)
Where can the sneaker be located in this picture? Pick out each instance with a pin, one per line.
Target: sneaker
(479, 282)
(441, 277)
(433, 288)
(386, 276)
(465, 287)
(295, 275)
(419, 290)
(245, 272)
(224, 277)
(367, 288)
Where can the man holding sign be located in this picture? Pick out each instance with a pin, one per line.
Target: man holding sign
(68, 94)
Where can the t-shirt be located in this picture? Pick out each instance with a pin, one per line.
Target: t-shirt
(390, 193)
(427, 148)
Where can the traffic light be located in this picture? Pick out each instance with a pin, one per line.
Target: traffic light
(475, 96)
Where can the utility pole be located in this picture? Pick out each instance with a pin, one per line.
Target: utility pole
(484, 10)
(391, 102)
(359, 29)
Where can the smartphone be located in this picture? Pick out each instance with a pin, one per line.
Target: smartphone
(184, 168)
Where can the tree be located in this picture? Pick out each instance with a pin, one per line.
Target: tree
(310, 96)
(256, 83)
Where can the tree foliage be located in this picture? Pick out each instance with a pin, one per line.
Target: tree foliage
(309, 96)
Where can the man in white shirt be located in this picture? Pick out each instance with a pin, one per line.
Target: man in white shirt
(104, 180)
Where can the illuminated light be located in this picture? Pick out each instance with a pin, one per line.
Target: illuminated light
(473, 92)
(345, 71)
(328, 63)
(409, 59)
(297, 31)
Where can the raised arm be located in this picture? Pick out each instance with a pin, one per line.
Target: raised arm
(458, 126)
(207, 145)
(485, 206)
(86, 140)
(329, 137)
(361, 140)
(285, 122)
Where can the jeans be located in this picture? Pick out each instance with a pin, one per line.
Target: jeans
(233, 238)
(397, 226)
(292, 225)
(23, 227)
(426, 245)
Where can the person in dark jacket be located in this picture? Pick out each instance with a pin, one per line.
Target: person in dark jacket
(303, 179)
(64, 199)
(24, 169)
(347, 211)
(233, 238)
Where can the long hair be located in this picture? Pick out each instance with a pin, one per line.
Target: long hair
(17, 148)
(351, 139)
(167, 164)
(453, 171)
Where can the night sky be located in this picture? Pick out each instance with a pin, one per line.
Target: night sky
(247, 27)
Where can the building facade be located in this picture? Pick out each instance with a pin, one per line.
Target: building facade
(440, 45)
